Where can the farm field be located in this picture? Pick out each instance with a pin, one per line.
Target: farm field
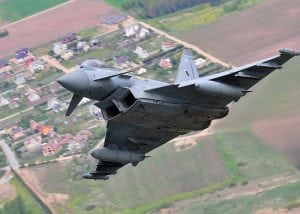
(250, 35)
(44, 28)
(178, 176)
(274, 116)
(188, 19)
(166, 175)
(13, 10)
(265, 202)
(31, 204)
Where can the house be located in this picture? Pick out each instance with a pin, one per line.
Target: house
(122, 61)
(74, 146)
(82, 46)
(65, 138)
(137, 31)
(14, 103)
(82, 136)
(33, 125)
(55, 105)
(15, 132)
(37, 65)
(69, 37)
(200, 62)
(131, 30)
(143, 33)
(33, 141)
(59, 48)
(94, 42)
(165, 63)
(55, 87)
(51, 147)
(114, 20)
(67, 55)
(22, 55)
(41, 128)
(141, 71)
(3, 101)
(141, 52)
(19, 79)
(32, 95)
(165, 46)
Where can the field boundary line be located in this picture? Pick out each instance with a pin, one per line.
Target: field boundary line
(36, 14)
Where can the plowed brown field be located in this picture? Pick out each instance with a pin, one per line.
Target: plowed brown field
(44, 27)
(251, 35)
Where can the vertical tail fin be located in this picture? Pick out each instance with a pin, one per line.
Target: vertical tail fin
(187, 69)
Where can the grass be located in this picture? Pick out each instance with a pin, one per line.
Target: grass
(273, 97)
(31, 204)
(146, 187)
(89, 32)
(13, 10)
(247, 158)
(45, 77)
(117, 3)
(188, 19)
(292, 205)
(100, 54)
(275, 198)
(155, 205)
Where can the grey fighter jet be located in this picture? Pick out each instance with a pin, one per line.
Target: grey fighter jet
(142, 115)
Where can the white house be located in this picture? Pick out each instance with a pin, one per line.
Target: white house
(136, 30)
(200, 62)
(36, 65)
(141, 52)
(3, 101)
(59, 48)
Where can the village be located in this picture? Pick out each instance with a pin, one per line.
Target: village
(33, 104)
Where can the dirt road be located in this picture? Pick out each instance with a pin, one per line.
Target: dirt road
(186, 44)
(11, 158)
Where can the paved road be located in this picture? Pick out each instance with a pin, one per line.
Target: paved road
(11, 158)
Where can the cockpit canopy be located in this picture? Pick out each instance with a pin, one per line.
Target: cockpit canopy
(94, 63)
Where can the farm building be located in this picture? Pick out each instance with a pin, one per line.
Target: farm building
(115, 19)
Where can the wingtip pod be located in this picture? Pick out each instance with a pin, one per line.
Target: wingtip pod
(290, 52)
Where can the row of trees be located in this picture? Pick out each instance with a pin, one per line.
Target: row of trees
(16, 206)
(156, 8)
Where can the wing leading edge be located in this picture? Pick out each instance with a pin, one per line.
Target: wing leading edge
(210, 89)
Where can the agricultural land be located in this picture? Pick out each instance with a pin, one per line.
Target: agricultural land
(245, 163)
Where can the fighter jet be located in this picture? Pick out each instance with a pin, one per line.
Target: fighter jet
(142, 114)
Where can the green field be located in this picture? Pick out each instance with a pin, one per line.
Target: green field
(117, 3)
(167, 177)
(13, 10)
(275, 198)
(31, 204)
(247, 158)
(274, 97)
(190, 18)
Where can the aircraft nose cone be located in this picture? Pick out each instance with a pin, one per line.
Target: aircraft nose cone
(76, 81)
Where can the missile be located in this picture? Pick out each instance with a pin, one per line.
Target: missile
(95, 176)
(117, 155)
(219, 89)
